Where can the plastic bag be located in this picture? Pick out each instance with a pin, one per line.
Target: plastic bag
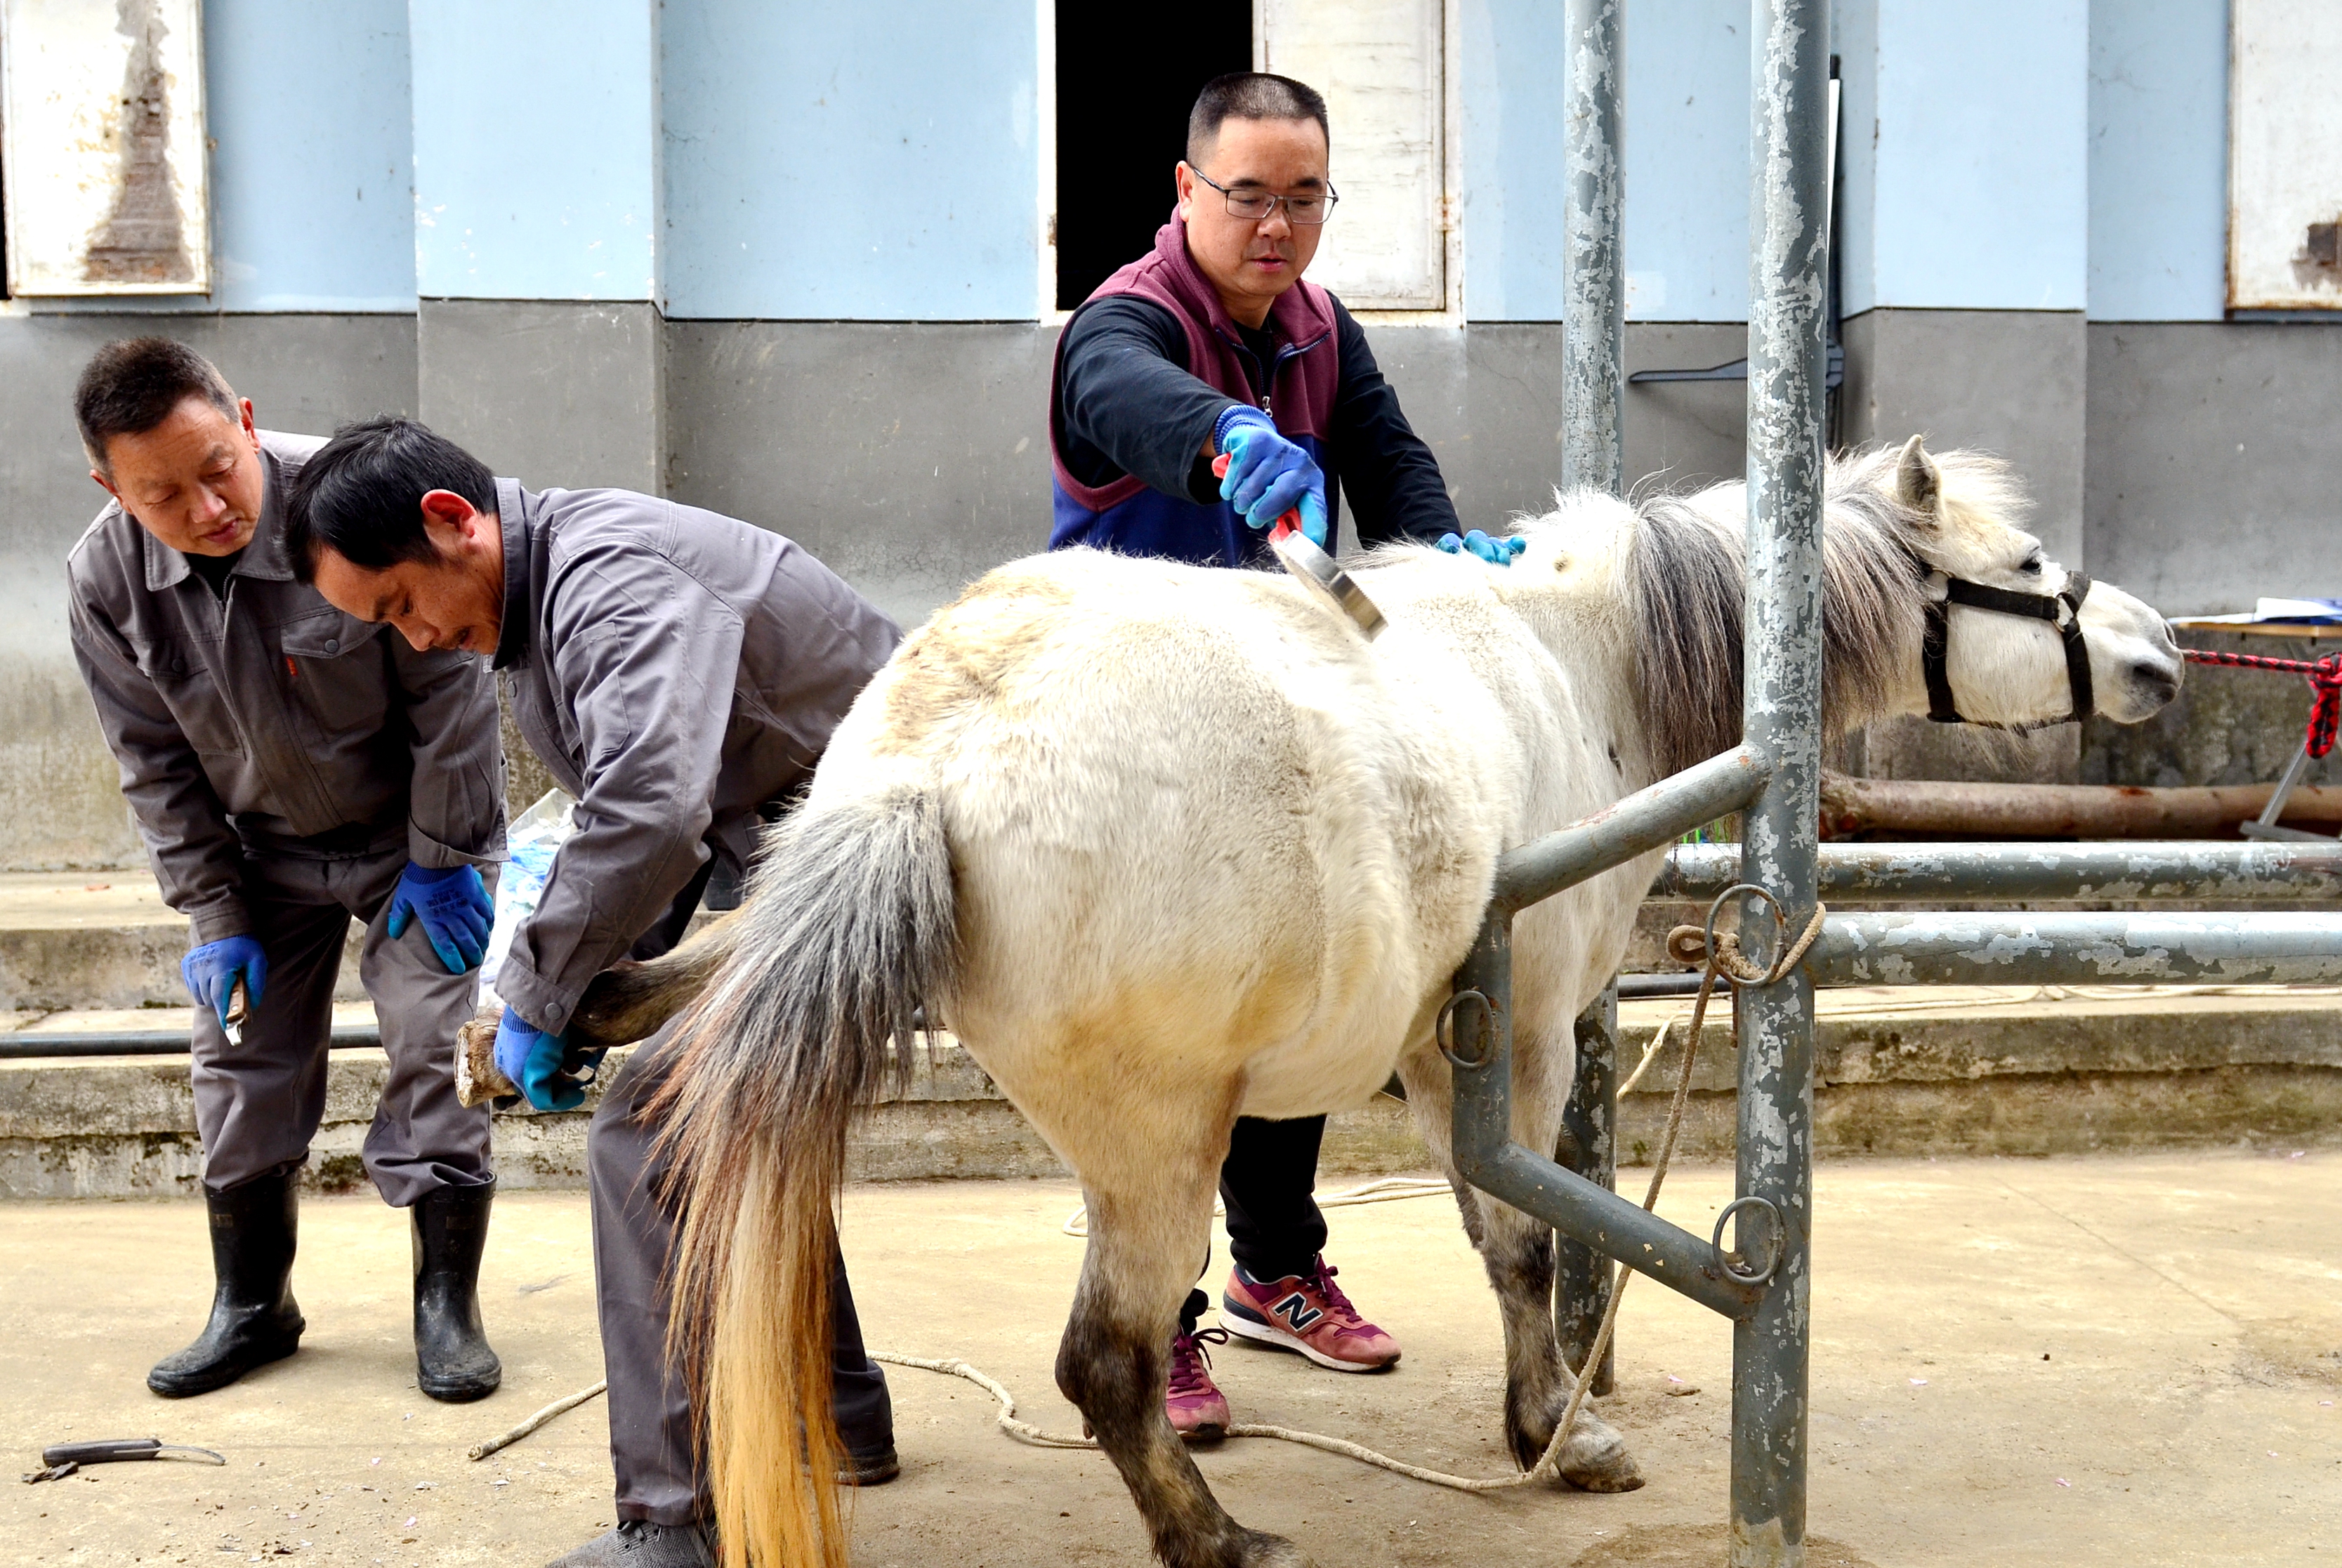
(535, 837)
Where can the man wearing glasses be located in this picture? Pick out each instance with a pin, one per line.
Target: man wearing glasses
(1211, 346)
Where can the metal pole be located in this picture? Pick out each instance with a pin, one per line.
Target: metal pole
(1788, 362)
(2009, 947)
(1581, 1279)
(1594, 282)
(2138, 871)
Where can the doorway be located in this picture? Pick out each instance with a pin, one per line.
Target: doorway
(1125, 81)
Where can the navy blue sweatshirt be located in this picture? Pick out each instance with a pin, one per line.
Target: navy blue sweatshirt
(1129, 406)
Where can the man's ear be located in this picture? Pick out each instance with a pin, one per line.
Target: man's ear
(107, 485)
(244, 406)
(1182, 180)
(448, 517)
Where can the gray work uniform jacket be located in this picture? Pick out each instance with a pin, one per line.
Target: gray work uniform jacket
(273, 723)
(676, 670)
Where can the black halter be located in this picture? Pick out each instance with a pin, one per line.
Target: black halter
(2062, 609)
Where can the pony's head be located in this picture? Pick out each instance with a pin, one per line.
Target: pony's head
(1901, 529)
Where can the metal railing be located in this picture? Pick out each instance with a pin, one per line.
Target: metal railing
(1761, 1283)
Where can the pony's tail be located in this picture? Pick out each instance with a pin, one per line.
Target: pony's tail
(850, 926)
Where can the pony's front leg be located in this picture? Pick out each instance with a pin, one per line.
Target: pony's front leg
(1518, 1251)
(1146, 1239)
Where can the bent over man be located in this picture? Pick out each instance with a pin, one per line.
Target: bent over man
(1212, 346)
(289, 767)
(680, 674)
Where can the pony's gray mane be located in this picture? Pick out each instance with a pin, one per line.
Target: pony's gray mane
(1688, 578)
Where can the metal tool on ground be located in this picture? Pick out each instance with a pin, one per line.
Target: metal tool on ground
(63, 1459)
(1302, 555)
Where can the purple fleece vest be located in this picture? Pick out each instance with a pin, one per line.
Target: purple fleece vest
(1129, 517)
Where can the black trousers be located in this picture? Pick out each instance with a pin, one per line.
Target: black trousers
(1268, 1182)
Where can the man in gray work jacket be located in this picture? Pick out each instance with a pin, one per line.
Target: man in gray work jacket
(680, 674)
(289, 767)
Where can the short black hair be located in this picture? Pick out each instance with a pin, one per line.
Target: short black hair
(1249, 96)
(131, 384)
(361, 494)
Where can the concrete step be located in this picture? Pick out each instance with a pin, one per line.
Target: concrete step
(1982, 1069)
(101, 939)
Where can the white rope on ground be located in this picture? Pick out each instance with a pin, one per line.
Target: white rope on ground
(1383, 1190)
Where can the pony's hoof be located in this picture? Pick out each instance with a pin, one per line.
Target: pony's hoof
(1262, 1549)
(1599, 1462)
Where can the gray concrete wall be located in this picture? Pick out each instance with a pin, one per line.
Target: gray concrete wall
(555, 392)
(2214, 471)
(60, 804)
(910, 458)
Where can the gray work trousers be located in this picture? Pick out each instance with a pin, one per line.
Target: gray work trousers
(655, 1433)
(258, 1105)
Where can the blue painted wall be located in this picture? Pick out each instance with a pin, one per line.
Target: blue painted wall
(536, 149)
(1979, 196)
(2159, 160)
(312, 186)
(875, 162)
(784, 159)
(1687, 162)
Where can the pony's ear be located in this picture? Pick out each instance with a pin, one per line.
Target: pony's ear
(1918, 482)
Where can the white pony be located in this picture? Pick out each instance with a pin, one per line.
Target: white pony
(1164, 845)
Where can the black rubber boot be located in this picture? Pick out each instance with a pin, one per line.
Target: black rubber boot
(451, 1358)
(254, 1318)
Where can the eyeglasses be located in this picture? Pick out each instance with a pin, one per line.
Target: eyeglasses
(1309, 208)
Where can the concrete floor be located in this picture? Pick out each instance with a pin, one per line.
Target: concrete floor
(2118, 1360)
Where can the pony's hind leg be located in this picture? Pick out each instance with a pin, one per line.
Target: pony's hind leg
(1518, 1251)
(1144, 1245)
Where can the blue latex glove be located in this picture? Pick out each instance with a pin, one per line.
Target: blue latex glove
(532, 1059)
(454, 908)
(1495, 551)
(210, 972)
(1268, 475)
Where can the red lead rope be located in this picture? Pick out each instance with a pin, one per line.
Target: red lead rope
(2325, 678)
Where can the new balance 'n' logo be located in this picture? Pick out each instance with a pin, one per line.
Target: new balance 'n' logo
(1296, 1312)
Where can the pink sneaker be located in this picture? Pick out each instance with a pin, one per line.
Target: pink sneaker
(1197, 1409)
(1308, 1313)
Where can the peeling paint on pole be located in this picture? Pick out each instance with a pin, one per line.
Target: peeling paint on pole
(1593, 349)
(2078, 949)
(1788, 207)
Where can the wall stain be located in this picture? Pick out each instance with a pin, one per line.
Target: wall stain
(143, 238)
(2319, 263)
